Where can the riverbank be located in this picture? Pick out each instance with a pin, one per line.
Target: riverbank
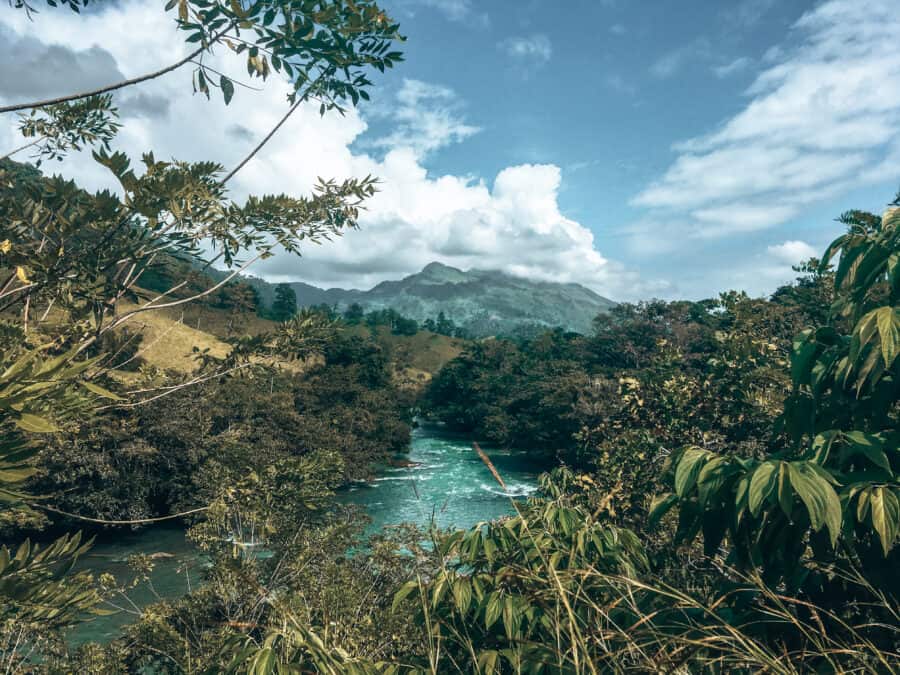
(441, 479)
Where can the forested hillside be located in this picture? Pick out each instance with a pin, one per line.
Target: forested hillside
(479, 303)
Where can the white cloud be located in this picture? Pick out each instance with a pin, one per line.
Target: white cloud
(457, 10)
(535, 49)
(728, 69)
(618, 83)
(792, 252)
(823, 118)
(617, 29)
(748, 13)
(670, 63)
(512, 223)
(426, 117)
(462, 11)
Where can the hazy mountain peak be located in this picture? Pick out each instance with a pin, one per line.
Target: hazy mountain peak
(484, 302)
(440, 273)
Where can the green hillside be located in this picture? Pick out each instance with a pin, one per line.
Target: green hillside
(481, 302)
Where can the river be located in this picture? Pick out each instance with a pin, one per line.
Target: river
(444, 479)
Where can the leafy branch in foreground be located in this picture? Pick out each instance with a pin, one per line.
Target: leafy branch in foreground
(59, 128)
(323, 47)
(831, 493)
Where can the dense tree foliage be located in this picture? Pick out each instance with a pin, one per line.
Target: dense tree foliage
(284, 306)
(73, 266)
(722, 490)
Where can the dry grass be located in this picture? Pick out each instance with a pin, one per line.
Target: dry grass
(168, 343)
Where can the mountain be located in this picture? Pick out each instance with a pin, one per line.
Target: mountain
(484, 302)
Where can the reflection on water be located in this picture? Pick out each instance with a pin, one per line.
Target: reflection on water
(177, 568)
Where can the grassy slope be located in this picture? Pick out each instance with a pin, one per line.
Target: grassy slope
(415, 358)
(171, 335)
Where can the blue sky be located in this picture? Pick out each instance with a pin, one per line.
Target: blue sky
(604, 90)
(669, 149)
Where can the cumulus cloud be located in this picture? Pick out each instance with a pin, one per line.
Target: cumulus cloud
(61, 67)
(533, 49)
(792, 252)
(511, 221)
(822, 118)
(426, 117)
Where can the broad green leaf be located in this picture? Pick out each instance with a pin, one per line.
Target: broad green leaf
(785, 495)
(403, 593)
(688, 469)
(660, 506)
(16, 475)
(817, 494)
(888, 320)
(761, 485)
(487, 661)
(862, 505)
(885, 511)
(510, 617)
(869, 445)
(35, 424)
(462, 594)
(492, 609)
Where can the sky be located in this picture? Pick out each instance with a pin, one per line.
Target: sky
(643, 149)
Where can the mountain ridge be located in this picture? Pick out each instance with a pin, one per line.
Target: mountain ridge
(483, 302)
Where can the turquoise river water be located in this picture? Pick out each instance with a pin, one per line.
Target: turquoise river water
(443, 479)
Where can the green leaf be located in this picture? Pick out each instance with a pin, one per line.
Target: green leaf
(804, 350)
(487, 661)
(821, 501)
(888, 321)
(885, 511)
(227, 88)
(100, 391)
(462, 594)
(761, 485)
(35, 424)
(862, 506)
(688, 469)
(510, 617)
(785, 495)
(869, 445)
(660, 506)
(492, 609)
(403, 593)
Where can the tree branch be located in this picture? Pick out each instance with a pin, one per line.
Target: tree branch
(137, 521)
(20, 148)
(119, 85)
(262, 142)
(149, 305)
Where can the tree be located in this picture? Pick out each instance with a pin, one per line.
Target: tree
(84, 255)
(444, 326)
(827, 490)
(404, 326)
(240, 300)
(285, 304)
(354, 314)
